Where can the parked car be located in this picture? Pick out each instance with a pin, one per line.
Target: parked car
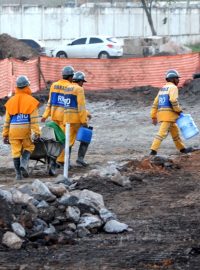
(35, 44)
(90, 47)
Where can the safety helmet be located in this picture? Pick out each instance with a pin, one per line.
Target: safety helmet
(79, 76)
(68, 71)
(172, 73)
(22, 81)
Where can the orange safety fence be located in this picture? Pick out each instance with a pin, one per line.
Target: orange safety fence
(5, 77)
(101, 74)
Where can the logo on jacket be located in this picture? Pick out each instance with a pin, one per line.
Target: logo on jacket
(61, 99)
(20, 118)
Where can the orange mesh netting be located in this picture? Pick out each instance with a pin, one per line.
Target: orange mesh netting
(101, 74)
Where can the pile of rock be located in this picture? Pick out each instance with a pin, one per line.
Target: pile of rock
(12, 47)
(49, 213)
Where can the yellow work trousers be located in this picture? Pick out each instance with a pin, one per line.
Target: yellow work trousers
(17, 145)
(73, 132)
(165, 128)
(61, 157)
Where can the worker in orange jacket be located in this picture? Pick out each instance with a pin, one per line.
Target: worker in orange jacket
(75, 113)
(166, 110)
(55, 104)
(21, 119)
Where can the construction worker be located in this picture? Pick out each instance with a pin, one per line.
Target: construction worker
(166, 110)
(21, 119)
(55, 105)
(75, 113)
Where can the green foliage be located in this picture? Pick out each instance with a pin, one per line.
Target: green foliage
(194, 47)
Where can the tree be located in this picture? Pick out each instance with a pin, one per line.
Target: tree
(147, 5)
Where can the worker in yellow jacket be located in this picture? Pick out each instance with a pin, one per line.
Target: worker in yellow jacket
(166, 110)
(21, 119)
(55, 104)
(75, 113)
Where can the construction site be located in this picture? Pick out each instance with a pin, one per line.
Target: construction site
(156, 198)
(126, 210)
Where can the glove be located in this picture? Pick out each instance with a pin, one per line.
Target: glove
(89, 116)
(154, 121)
(5, 140)
(43, 119)
(36, 137)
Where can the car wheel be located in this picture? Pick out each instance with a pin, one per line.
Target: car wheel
(61, 54)
(103, 55)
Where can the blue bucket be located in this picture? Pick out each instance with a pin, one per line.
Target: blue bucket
(84, 134)
(187, 126)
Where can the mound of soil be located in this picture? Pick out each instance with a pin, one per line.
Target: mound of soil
(138, 96)
(12, 47)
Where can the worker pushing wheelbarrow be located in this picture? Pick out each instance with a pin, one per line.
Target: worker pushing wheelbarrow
(49, 146)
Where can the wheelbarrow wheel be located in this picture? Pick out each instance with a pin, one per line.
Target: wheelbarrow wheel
(52, 167)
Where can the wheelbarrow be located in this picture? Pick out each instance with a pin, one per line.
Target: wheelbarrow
(46, 152)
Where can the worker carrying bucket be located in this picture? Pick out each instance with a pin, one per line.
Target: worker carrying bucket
(166, 110)
(187, 126)
(77, 116)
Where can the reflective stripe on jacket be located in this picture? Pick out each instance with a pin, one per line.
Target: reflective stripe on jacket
(165, 106)
(75, 110)
(55, 104)
(19, 126)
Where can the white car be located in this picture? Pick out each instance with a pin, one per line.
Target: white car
(91, 47)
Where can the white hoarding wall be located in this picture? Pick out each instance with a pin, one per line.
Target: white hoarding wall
(59, 25)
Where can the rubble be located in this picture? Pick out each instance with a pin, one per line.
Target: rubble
(12, 47)
(153, 45)
(35, 213)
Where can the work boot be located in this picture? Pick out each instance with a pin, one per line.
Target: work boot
(61, 164)
(52, 167)
(187, 150)
(17, 168)
(24, 163)
(153, 153)
(81, 154)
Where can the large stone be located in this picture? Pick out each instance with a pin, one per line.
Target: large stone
(90, 221)
(39, 225)
(89, 200)
(47, 214)
(68, 200)
(41, 191)
(12, 241)
(18, 229)
(82, 232)
(7, 195)
(106, 215)
(114, 226)
(42, 204)
(57, 189)
(73, 213)
(120, 180)
(50, 230)
(19, 197)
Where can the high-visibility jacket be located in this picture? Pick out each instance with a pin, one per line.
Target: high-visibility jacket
(166, 106)
(55, 104)
(19, 126)
(75, 110)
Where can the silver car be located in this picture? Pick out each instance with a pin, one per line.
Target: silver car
(90, 47)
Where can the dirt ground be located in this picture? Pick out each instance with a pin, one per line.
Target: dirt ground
(161, 206)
